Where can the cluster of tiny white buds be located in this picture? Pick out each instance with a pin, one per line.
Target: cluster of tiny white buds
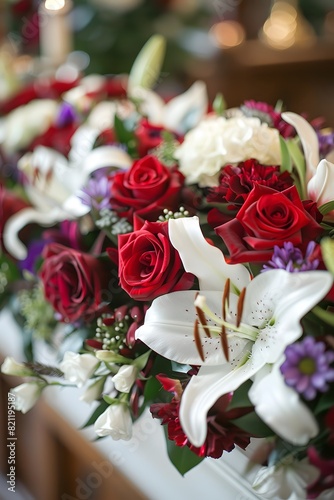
(107, 218)
(122, 226)
(168, 214)
(110, 219)
(112, 336)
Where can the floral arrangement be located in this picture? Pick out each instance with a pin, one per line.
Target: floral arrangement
(179, 257)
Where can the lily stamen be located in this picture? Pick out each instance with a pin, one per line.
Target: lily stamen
(243, 330)
(202, 320)
(198, 342)
(240, 306)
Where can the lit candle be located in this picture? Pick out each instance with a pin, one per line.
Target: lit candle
(55, 31)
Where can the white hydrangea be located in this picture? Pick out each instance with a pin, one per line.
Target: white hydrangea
(217, 141)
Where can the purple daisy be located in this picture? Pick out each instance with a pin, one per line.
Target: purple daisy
(307, 367)
(96, 194)
(291, 258)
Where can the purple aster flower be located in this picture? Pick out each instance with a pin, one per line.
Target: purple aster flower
(307, 367)
(66, 115)
(326, 141)
(291, 258)
(96, 194)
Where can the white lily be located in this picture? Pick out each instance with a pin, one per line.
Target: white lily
(319, 174)
(23, 124)
(269, 309)
(180, 114)
(287, 480)
(282, 409)
(53, 187)
(321, 186)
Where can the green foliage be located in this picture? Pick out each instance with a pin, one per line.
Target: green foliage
(254, 425)
(96, 413)
(37, 313)
(182, 458)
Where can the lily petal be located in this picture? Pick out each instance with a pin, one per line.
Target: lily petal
(15, 223)
(308, 139)
(286, 298)
(206, 261)
(184, 112)
(169, 329)
(106, 156)
(321, 187)
(204, 389)
(282, 409)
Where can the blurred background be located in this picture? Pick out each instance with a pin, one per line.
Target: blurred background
(247, 49)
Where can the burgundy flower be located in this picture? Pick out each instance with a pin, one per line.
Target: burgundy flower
(222, 434)
(149, 266)
(145, 187)
(237, 181)
(75, 283)
(58, 138)
(43, 88)
(268, 218)
(267, 114)
(325, 480)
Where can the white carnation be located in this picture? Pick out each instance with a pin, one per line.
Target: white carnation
(217, 141)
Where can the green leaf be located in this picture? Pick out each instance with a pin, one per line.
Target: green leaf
(325, 402)
(111, 401)
(240, 397)
(125, 136)
(96, 413)
(299, 163)
(146, 69)
(182, 458)
(219, 104)
(326, 316)
(141, 361)
(286, 163)
(254, 425)
(327, 250)
(326, 207)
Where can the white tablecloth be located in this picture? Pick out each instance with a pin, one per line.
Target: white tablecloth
(144, 459)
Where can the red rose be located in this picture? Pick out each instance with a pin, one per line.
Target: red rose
(149, 136)
(268, 218)
(149, 265)
(9, 205)
(74, 282)
(145, 187)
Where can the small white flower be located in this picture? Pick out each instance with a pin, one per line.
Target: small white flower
(287, 480)
(217, 141)
(27, 394)
(93, 391)
(115, 422)
(12, 367)
(125, 378)
(78, 368)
